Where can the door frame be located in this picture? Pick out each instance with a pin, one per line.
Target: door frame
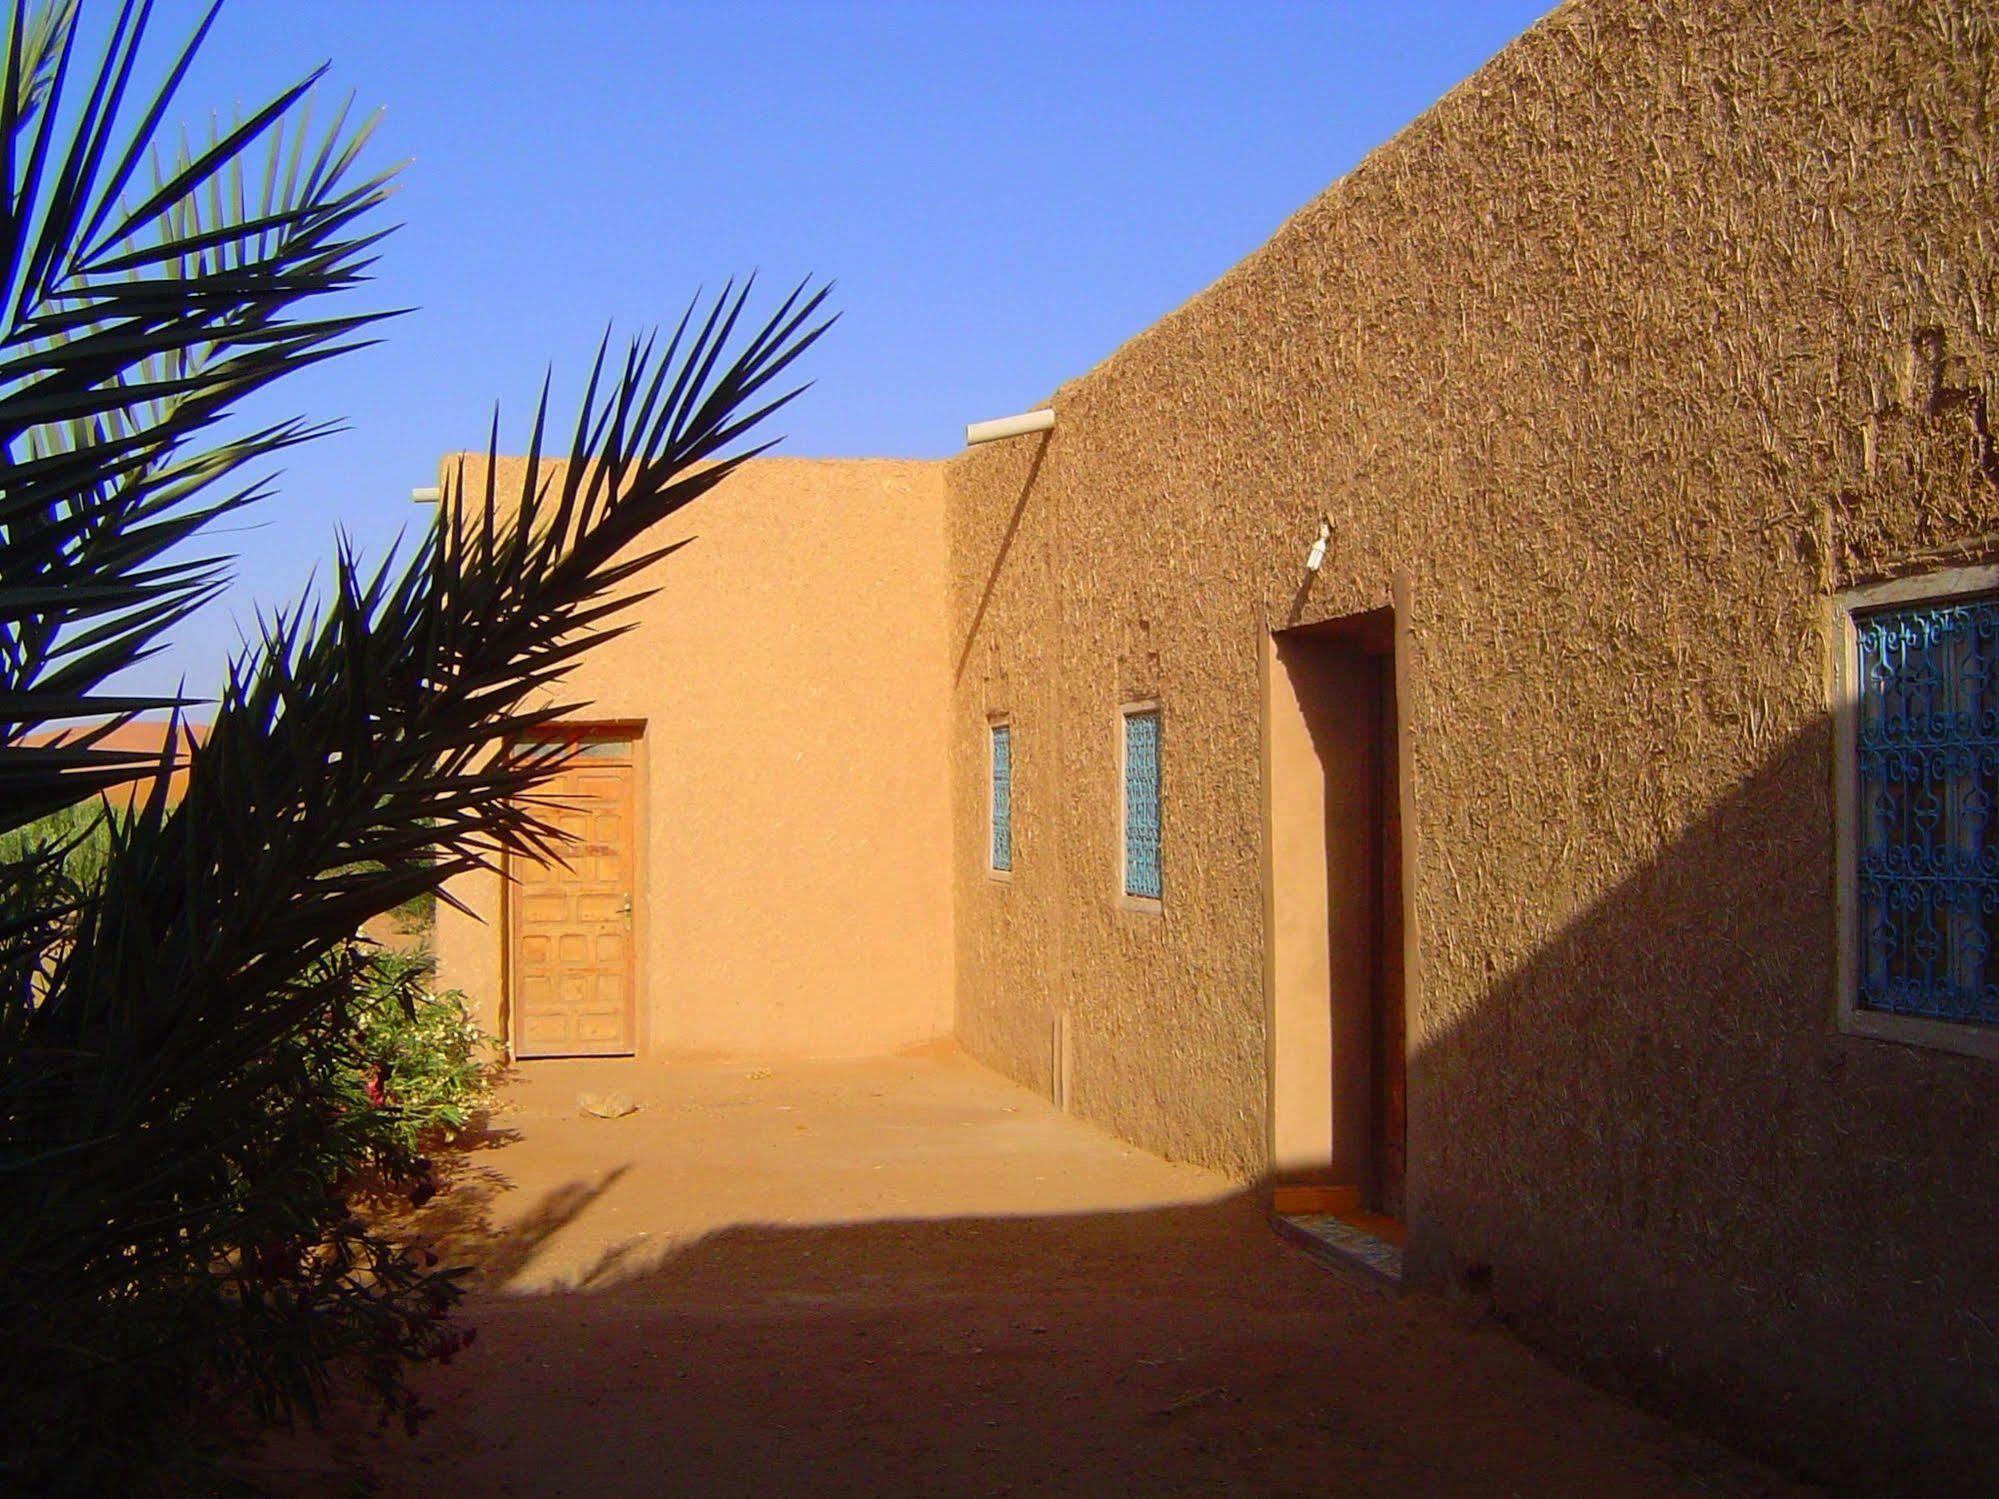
(1383, 631)
(638, 1026)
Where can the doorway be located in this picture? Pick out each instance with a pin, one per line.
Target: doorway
(570, 949)
(1334, 961)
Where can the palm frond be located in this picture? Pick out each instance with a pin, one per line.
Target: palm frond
(351, 764)
(133, 319)
(177, 1011)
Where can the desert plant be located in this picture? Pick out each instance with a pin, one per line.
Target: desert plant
(418, 914)
(74, 842)
(179, 1031)
(422, 1057)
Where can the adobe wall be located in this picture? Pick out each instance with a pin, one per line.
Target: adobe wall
(1607, 372)
(790, 673)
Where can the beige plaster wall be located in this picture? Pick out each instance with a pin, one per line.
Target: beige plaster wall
(791, 677)
(1609, 370)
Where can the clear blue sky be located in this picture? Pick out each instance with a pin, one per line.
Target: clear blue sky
(1004, 193)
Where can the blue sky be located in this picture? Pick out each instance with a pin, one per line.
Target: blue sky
(1004, 193)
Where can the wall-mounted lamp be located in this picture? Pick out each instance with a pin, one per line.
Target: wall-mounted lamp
(1316, 558)
(427, 496)
(1011, 426)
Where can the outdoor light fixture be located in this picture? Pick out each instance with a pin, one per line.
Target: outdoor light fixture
(1011, 426)
(1316, 558)
(428, 495)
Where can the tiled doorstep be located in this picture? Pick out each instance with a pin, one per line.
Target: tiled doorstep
(1335, 1242)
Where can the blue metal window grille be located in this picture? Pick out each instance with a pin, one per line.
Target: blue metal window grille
(1927, 756)
(1002, 796)
(1141, 804)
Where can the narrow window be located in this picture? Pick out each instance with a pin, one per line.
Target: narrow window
(1002, 764)
(1919, 826)
(1141, 803)
(1929, 784)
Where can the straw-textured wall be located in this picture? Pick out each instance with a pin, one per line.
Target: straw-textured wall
(1671, 321)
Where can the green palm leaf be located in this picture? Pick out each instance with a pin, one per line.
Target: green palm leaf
(131, 321)
(175, 1015)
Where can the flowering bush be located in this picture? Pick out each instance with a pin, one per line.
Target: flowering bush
(423, 1059)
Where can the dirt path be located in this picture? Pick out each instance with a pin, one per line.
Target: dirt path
(909, 1277)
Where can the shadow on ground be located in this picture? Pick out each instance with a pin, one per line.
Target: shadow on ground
(1181, 1349)
(908, 1276)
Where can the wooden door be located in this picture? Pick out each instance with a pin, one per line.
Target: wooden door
(570, 968)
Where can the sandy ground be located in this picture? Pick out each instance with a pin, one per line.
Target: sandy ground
(907, 1276)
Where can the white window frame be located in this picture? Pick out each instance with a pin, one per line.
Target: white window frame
(1910, 1030)
(994, 722)
(1153, 905)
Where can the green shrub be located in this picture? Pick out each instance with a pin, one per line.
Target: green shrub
(74, 842)
(422, 1058)
(418, 913)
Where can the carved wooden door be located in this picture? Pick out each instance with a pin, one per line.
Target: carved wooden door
(570, 965)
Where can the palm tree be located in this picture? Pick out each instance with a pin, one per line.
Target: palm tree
(170, 1139)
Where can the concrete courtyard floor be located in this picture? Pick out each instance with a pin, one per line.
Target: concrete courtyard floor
(908, 1276)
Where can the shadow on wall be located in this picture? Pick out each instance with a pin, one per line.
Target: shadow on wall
(1000, 555)
(1180, 1349)
(1675, 1173)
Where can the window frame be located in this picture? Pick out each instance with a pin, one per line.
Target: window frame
(1153, 905)
(994, 723)
(1937, 587)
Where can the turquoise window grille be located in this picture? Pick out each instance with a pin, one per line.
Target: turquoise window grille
(1002, 796)
(1141, 804)
(1927, 760)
